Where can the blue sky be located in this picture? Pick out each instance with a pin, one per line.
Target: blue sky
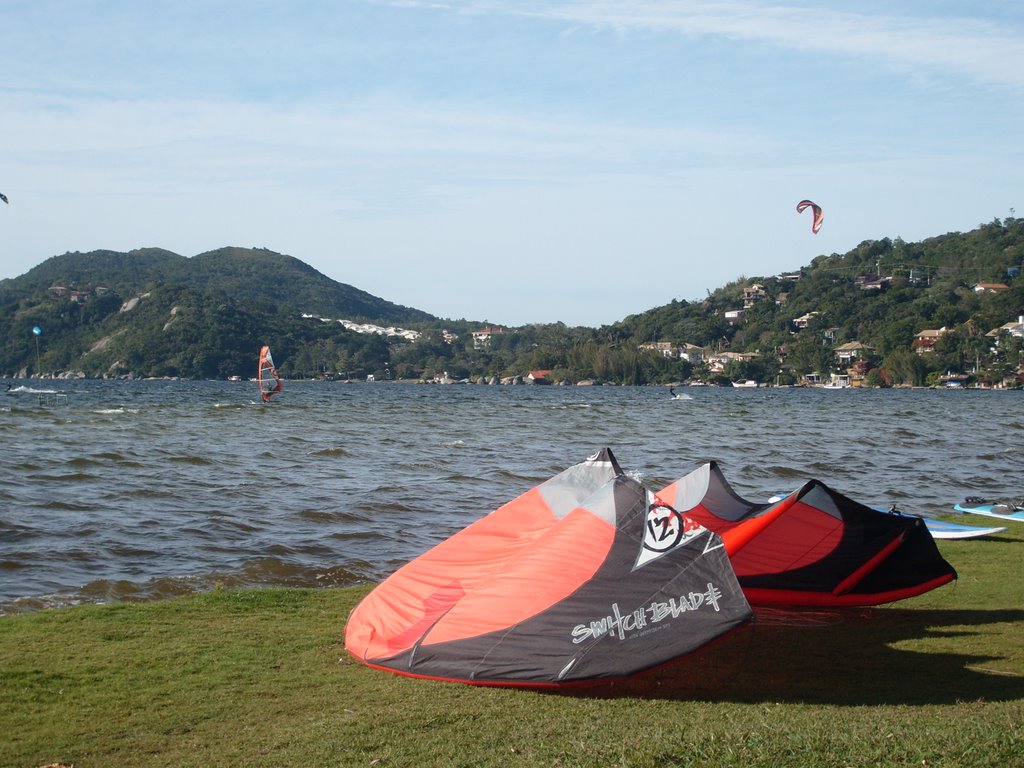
(515, 162)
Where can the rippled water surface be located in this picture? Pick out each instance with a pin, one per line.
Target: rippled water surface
(142, 490)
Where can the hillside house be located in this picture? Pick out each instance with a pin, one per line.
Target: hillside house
(990, 287)
(58, 291)
(851, 352)
(692, 353)
(753, 295)
(719, 360)
(663, 348)
(482, 338)
(689, 352)
(859, 369)
(733, 316)
(924, 342)
(802, 321)
(1015, 329)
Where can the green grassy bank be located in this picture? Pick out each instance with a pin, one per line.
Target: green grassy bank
(260, 678)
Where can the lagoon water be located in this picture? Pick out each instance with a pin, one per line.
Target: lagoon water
(115, 490)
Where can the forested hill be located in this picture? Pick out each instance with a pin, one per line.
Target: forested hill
(154, 313)
(881, 294)
(245, 274)
(150, 312)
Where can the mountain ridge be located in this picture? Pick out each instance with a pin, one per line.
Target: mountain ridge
(152, 312)
(247, 273)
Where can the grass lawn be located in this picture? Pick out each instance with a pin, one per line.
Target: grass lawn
(260, 678)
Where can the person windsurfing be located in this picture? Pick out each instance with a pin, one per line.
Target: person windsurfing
(269, 381)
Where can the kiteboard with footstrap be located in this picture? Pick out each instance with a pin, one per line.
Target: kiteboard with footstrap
(975, 505)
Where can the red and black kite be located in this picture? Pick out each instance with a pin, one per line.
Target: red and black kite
(816, 547)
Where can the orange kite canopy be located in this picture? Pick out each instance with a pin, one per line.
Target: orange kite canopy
(586, 577)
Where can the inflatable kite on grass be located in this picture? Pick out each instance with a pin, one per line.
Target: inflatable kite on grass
(585, 577)
(589, 576)
(823, 549)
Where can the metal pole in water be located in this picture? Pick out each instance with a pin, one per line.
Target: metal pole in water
(37, 332)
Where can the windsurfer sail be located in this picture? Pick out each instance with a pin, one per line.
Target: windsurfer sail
(269, 381)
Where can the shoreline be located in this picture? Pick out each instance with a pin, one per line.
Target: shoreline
(479, 381)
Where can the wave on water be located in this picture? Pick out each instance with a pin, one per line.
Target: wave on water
(784, 472)
(502, 474)
(198, 461)
(67, 505)
(67, 477)
(102, 460)
(334, 516)
(331, 452)
(374, 508)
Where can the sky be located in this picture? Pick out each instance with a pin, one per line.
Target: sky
(572, 161)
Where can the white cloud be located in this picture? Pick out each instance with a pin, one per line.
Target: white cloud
(977, 49)
(588, 203)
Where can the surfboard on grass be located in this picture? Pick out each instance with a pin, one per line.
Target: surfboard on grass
(940, 529)
(986, 507)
